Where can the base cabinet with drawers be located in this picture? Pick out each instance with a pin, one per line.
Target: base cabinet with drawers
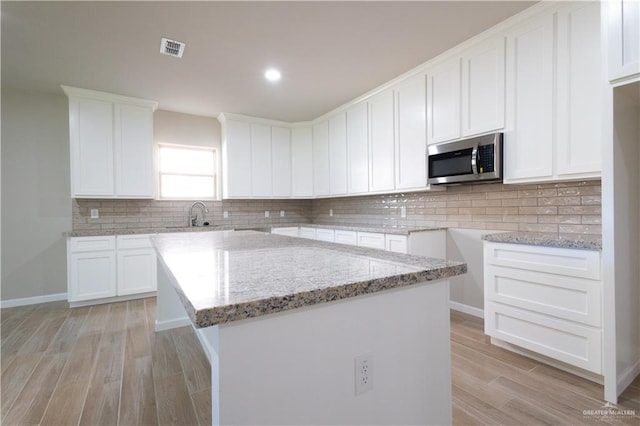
(547, 300)
(105, 267)
(429, 243)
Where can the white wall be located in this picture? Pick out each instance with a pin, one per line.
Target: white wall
(465, 245)
(36, 207)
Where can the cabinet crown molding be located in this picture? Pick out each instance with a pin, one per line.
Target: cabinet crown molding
(77, 92)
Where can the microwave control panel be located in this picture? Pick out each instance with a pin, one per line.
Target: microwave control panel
(485, 159)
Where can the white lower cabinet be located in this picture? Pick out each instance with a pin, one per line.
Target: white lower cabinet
(91, 268)
(309, 233)
(346, 237)
(395, 243)
(371, 240)
(546, 300)
(289, 231)
(136, 265)
(109, 266)
(323, 234)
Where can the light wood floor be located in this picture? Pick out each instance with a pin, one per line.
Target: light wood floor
(104, 365)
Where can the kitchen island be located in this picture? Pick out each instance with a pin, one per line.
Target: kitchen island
(285, 321)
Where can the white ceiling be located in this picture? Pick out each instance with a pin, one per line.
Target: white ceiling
(328, 52)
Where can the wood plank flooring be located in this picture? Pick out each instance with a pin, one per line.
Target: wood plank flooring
(104, 365)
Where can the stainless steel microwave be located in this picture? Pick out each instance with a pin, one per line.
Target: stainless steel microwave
(477, 159)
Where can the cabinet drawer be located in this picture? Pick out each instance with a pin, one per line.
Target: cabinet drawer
(325, 235)
(371, 240)
(565, 341)
(134, 241)
(85, 244)
(346, 237)
(291, 231)
(395, 243)
(571, 262)
(570, 298)
(308, 233)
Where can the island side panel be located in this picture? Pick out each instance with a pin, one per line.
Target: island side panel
(170, 312)
(298, 367)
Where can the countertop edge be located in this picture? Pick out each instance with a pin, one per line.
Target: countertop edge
(546, 240)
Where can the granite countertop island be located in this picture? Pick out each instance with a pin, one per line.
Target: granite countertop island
(288, 323)
(231, 275)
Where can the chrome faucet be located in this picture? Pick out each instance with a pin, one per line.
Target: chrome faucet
(193, 220)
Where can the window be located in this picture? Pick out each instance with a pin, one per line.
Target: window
(187, 172)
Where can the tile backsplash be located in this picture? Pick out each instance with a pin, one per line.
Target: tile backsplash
(561, 208)
(138, 214)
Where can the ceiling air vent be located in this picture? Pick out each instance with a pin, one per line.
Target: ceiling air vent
(172, 47)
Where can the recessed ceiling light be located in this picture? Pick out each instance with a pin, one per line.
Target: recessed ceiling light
(272, 74)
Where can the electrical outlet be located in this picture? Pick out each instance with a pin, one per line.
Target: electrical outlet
(330, 212)
(225, 214)
(403, 211)
(363, 374)
(95, 214)
(266, 213)
(281, 213)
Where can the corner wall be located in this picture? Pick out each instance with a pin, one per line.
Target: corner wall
(36, 207)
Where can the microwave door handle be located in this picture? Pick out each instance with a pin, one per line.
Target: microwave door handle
(474, 160)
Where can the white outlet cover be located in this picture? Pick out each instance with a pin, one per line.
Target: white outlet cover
(266, 213)
(330, 212)
(403, 211)
(281, 213)
(225, 214)
(95, 214)
(363, 374)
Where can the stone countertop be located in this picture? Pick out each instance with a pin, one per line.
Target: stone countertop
(399, 230)
(571, 241)
(228, 276)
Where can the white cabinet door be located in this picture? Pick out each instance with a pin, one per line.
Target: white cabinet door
(302, 162)
(624, 38)
(91, 268)
(91, 135)
(528, 146)
(309, 233)
(345, 237)
(133, 151)
(579, 91)
(395, 243)
(281, 161)
(290, 231)
(358, 149)
(382, 144)
(371, 240)
(483, 87)
(321, 183)
(338, 154)
(411, 137)
(236, 149)
(323, 234)
(137, 271)
(443, 101)
(260, 160)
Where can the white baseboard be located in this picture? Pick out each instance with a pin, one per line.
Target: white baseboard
(11, 303)
(172, 323)
(627, 377)
(476, 312)
(111, 299)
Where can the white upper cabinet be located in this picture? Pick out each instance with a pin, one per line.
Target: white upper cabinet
(466, 92)
(338, 154)
(236, 159)
(111, 142)
(281, 161)
(580, 91)
(381, 142)
(321, 181)
(624, 38)
(554, 96)
(443, 101)
(133, 151)
(483, 89)
(261, 160)
(411, 138)
(302, 161)
(358, 149)
(528, 140)
(257, 159)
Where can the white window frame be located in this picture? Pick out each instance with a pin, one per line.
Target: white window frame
(216, 171)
